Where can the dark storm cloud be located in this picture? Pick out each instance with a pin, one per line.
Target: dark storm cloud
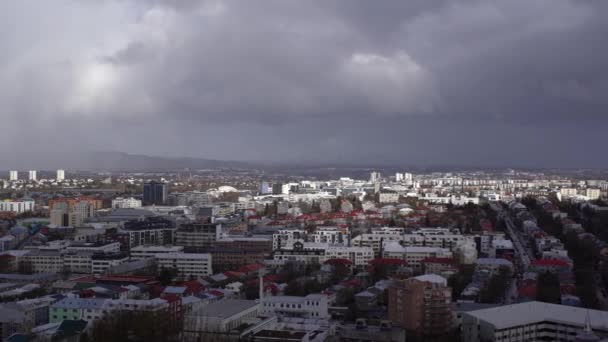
(436, 82)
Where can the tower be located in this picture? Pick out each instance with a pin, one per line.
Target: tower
(32, 175)
(60, 175)
(13, 175)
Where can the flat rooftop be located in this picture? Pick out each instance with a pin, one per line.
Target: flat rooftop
(525, 313)
(226, 308)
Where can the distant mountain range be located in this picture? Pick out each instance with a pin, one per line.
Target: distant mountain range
(120, 161)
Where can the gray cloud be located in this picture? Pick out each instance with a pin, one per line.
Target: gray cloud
(431, 82)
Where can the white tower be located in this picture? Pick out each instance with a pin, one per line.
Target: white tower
(60, 175)
(13, 175)
(32, 175)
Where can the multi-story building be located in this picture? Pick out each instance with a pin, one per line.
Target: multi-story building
(308, 254)
(192, 198)
(102, 262)
(593, 193)
(60, 175)
(413, 255)
(95, 202)
(232, 253)
(13, 175)
(377, 237)
(17, 206)
(32, 175)
(220, 317)
(149, 231)
(198, 236)
(130, 202)
(70, 213)
(95, 247)
(38, 261)
(155, 193)
(359, 256)
(331, 235)
(423, 237)
(534, 321)
(317, 253)
(286, 237)
(188, 265)
(143, 252)
(421, 305)
(311, 306)
(77, 308)
(78, 262)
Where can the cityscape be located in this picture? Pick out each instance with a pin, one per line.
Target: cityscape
(232, 255)
(303, 171)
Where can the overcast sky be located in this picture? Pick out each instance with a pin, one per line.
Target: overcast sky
(505, 82)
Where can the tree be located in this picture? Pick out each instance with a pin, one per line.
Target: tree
(459, 281)
(547, 288)
(167, 275)
(495, 289)
(142, 326)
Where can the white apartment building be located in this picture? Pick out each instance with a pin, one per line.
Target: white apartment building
(150, 251)
(187, 264)
(534, 321)
(13, 175)
(376, 237)
(413, 255)
(78, 262)
(286, 237)
(17, 207)
(592, 193)
(423, 237)
(318, 253)
(388, 197)
(100, 263)
(43, 261)
(568, 192)
(60, 175)
(101, 247)
(359, 256)
(331, 235)
(311, 306)
(130, 202)
(32, 175)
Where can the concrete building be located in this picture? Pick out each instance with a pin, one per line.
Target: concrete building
(94, 247)
(198, 236)
(77, 308)
(421, 305)
(413, 255)
(13, 175)
(17, 206)
(100, 263)
(593, 193)
(219, 317)
(318, 253)
(533, 321)
(188, 265)
(38, 261)
(311, 306)
(60, 175)
(143, 252)
(32, 175)
(155, 193)
(130, 202)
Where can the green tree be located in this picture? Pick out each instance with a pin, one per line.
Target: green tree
(167, 275)
(547, 288)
